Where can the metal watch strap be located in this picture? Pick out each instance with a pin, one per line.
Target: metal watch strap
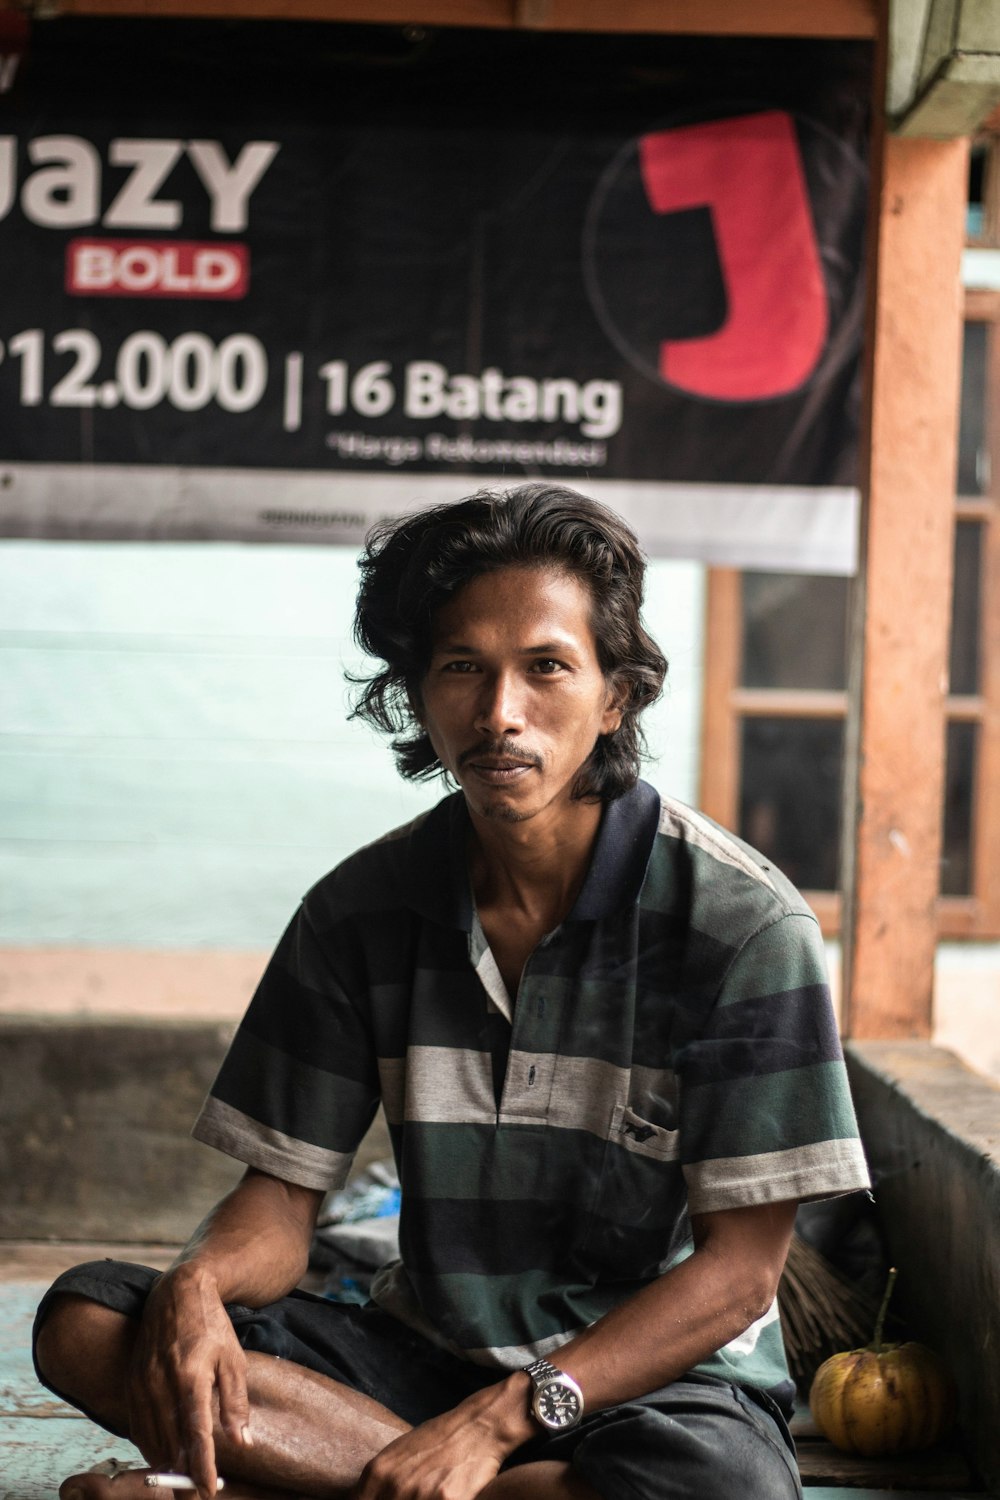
(541, 1371)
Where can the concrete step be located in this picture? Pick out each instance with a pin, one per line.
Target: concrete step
(95, 1120)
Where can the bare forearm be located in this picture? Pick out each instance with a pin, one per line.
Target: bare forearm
(673, 1324)
(686, 1315)
(186, 1360)
(665, 1330)
(254, 1245)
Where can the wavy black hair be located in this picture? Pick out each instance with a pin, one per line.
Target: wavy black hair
(410, 567)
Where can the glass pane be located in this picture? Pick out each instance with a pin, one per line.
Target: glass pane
(974, 206)
(790, 796)
(794, 631)
(963, 666)
(960, 771)
(973, 457)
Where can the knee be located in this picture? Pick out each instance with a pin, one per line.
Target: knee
(74, 1335)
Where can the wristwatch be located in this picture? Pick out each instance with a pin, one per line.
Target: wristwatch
(557, 1400)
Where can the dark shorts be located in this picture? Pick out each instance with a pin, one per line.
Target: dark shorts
(697, 1439)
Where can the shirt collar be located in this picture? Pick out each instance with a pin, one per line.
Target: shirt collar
(437, 868)
(621, 853)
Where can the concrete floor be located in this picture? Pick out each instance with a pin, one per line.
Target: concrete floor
(41, 1439)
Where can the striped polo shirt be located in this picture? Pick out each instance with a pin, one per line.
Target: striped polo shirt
(671, 1050)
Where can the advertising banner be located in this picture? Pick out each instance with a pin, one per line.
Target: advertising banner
(273, 282)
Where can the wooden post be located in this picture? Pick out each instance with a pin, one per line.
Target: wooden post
(899, 655)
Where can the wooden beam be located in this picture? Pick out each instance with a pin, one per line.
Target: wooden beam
(718, 793)
(899, 657)
(803, 18)
(986, 800)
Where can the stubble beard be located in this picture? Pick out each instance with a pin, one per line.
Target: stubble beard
(504, 814)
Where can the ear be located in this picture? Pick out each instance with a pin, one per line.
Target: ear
(614, 706)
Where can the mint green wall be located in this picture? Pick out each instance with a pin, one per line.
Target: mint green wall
(175, 763)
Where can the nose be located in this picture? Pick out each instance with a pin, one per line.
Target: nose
(500, 710)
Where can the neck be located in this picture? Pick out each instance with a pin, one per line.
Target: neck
(536, 867)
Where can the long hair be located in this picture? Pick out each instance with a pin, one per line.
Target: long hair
(410, 567)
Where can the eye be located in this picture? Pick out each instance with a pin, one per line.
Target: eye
(458, 666)
(547, 665)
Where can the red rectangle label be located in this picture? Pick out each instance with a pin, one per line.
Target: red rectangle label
(157, 268)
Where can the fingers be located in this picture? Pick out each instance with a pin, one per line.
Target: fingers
(199, 1438)
(188, 1372)
(149, 1428)
(234, 1403)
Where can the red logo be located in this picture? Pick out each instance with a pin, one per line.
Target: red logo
(748, 172)
(157, 268)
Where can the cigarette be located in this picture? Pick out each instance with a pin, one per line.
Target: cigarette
(178, 1482)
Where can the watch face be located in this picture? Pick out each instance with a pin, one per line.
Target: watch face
(557, 1404)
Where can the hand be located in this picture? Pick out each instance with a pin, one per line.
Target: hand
(455, 1455)
(186, 1358)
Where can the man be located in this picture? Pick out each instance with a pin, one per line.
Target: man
(600, 1031)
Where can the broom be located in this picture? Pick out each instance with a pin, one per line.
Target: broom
(822, 1311)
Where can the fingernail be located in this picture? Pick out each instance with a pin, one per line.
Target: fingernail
(247, 1436)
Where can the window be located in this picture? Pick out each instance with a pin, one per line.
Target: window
(776, 689)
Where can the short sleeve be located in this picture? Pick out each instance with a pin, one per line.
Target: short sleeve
(765, 1111)
(298, 1087)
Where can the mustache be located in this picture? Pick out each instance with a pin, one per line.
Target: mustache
(500, 750)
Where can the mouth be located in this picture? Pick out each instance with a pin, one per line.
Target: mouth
(498, 771)
(498, 764)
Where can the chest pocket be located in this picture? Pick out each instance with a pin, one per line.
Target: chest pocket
(631, 1132)
(639, 1208)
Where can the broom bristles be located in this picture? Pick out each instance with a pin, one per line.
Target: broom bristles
(822, 1311)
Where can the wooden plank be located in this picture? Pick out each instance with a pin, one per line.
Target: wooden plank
(837, 1492)
(935, 1469)
(477, 13)
(718, 793)
(790, 703)
(833, 19)
(986, 803)
(895, 740)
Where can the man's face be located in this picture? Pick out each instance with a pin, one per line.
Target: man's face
(514, 698)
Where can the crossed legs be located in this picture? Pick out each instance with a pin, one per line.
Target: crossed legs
(312, 1436)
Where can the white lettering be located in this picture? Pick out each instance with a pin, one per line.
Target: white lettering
(8, 70)
(161, 270)
(136, 206)
(462, 400)
(521, 401)
(216, 270)
(66, 192)
(8, 173)
(429, 391)
(66, 195)
(138, 269)
(230, 186)
(93, 268)
(171, 279)
(423, 393)
(555, 392)
(492, 388)
(601, 405)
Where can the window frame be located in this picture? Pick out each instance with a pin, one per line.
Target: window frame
(726, 703)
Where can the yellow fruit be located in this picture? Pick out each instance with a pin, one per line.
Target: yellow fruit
(895, 1398)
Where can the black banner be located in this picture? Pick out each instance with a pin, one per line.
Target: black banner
(359, 251)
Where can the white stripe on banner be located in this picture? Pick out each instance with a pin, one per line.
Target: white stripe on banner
(783, 527)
